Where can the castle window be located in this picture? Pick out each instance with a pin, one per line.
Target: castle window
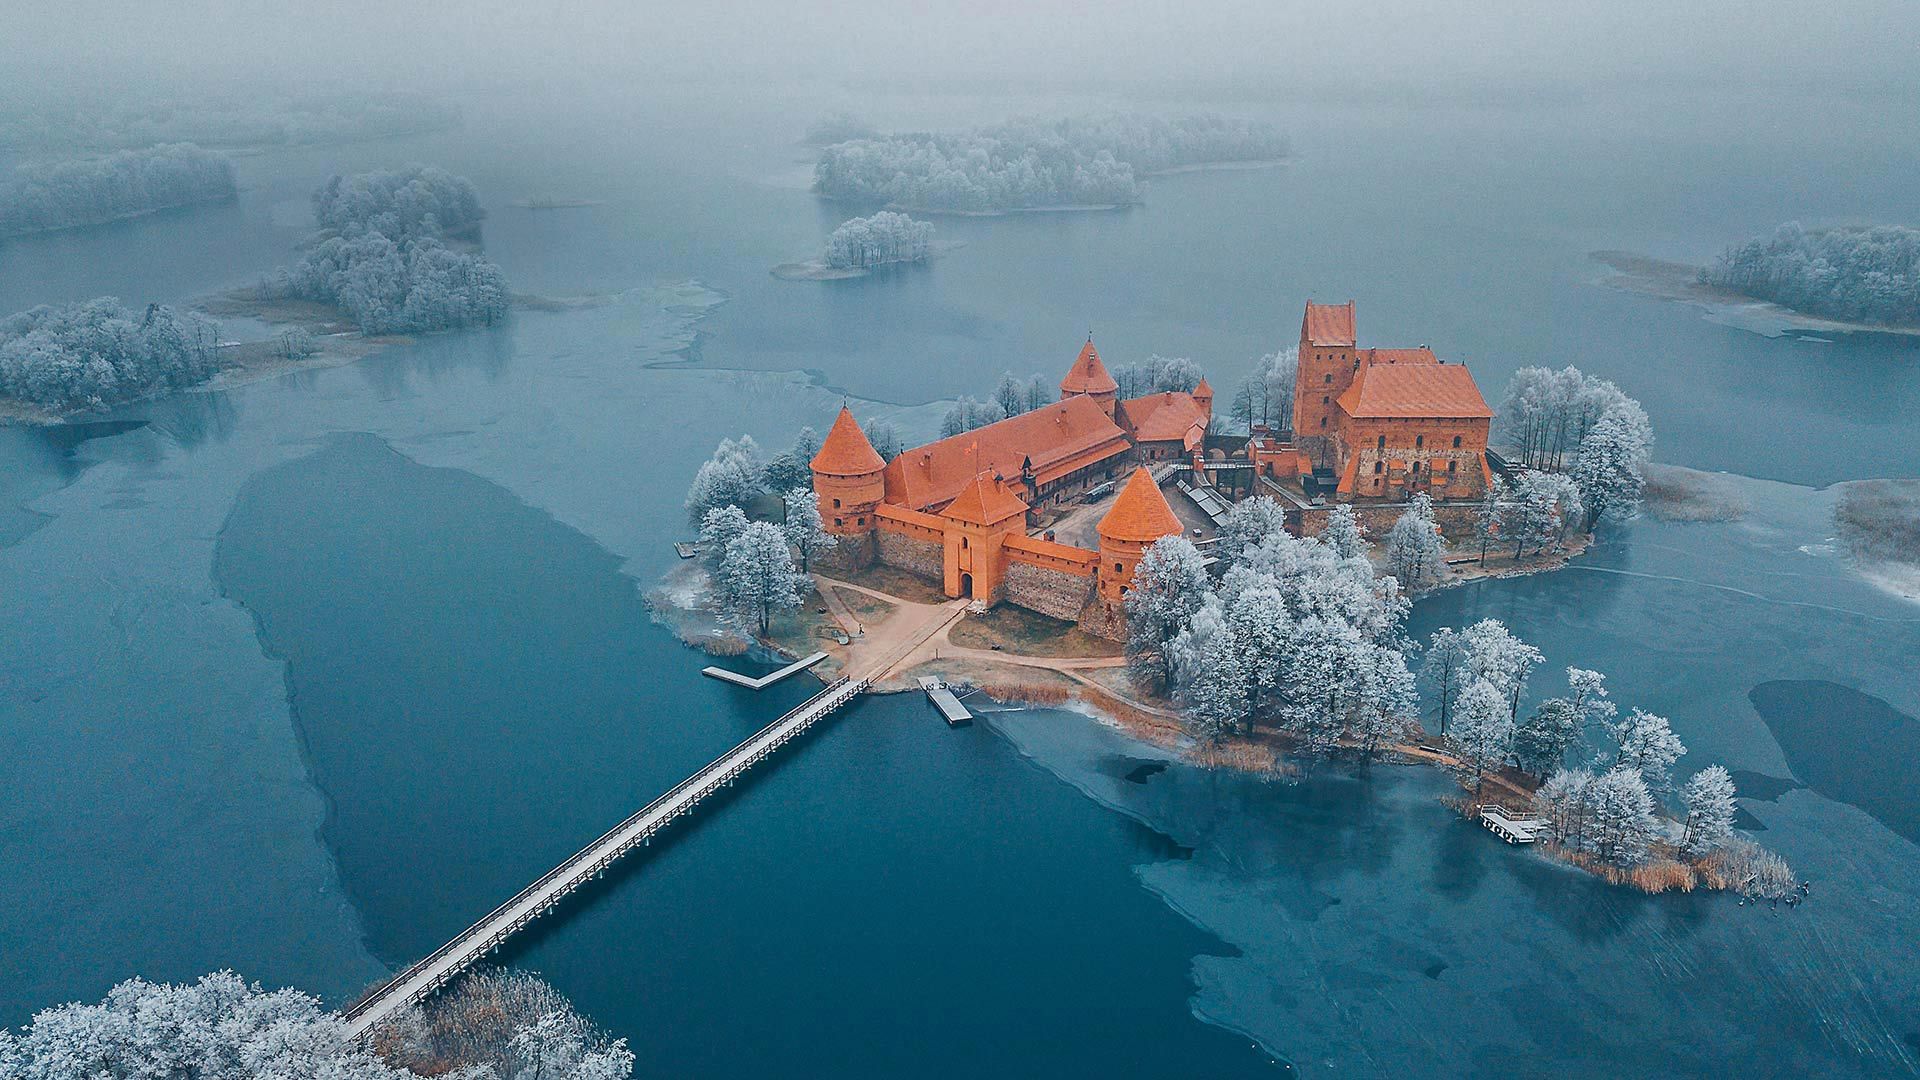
(1323, 421)
(963, 542)
(1456, 442)
(1117, 568)
(1378, 466)
(1419, 441)
(1325, 400)
(836, 504)
(1450, 465)
(1416, 468)
(1329, 377)
(860, 521)
(1380, 443)
(838, 522)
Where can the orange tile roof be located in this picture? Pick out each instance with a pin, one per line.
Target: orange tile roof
(1435, 391)
(846, 451)
(1161, 417)
(1201, 389)
(1141, 513)
(1421, 355)
(986, 500)
(1088, 375)
(1069, 434)
(1328, 324)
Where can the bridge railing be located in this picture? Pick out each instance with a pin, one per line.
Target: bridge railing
(584, 855)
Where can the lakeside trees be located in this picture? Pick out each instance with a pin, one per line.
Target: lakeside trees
(804, 529)
(495, 1024)
(1094, 160)
(66, 194)
(1171, 586)
(98, 352)
(380, 257)
(1157, 374)
(1856, 274)
(1546, 414)
(1416, 554)
(757, 578)
(884, 238)
(1265, 395)
(731, 477)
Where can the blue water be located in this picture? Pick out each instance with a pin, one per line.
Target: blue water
(301, 677)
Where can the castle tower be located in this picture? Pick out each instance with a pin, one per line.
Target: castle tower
(1203, 397)
(979, 520)
(1328, 357)
(1139, 517)
(847, 478)
(1090, 377)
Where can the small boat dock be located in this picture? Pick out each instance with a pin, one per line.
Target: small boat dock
(943, 699)
(766, 680)
(1514, 830)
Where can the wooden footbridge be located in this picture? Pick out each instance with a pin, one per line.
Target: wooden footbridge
(540, 897)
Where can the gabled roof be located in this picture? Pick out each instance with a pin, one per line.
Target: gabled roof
(1088, 375)
(1202, 389)
(846, 451)
(1141, 513)
(1069, 434)
(1421, 355)
(986, 500)
(1434, 391)
(1161, 417)
(1328, 324)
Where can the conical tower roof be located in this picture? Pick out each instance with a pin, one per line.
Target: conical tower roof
(1088, 375)
(846, 451)
(1141, 513)
(985, 500)
(1202, 389)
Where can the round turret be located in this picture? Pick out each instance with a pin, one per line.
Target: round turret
(848, 478)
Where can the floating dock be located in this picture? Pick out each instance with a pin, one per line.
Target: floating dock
(943, 699)
(1514, 830)
(766, 680)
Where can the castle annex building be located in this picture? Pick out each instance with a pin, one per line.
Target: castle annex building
(1385, 423)
(956, 510)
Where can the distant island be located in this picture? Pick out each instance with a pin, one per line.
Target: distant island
(45, 197)
(860, 245)
(1864, 275)
(251, 120)
(1682, 282)
(1085, 163)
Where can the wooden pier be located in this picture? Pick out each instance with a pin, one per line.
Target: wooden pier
(1514, 830)
(943, 699)
(766, 680)
(539, 898)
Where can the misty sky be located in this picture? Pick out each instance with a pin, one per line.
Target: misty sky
(1325, 49)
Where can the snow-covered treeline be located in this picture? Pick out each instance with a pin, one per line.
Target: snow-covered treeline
(379, 255)
(66, 194)
(1265, 396)
(1091, 160)
(489, 1025)
(884, 238)
(98, 352)
(1156, 374)
(252, 119)
(1869, 275)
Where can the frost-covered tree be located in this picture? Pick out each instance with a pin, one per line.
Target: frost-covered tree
(219, 1027)
(1265, 397)
(1246, 524)
(1562, 800)
(92, 191)
(718, 527)
(878, 240)
(758, 575)
(1445, 667)
(793, 467)
(1416, 554)
(1546, 414)
(1157, 374)
(885, 438)
(805, 531)
(1039, 392)
(1010, 394)
(1619, 810)
(1646, 744)
(1708, 796)
(1541, 741)
(97, 353)
(1588, 693)
(1545, 507)
(1501, 659)
(496, 1024)
(731, 477)
(1482, 729)
(1610, 468)
(1169, 585)
(969, 413)
(1386, 702)
(1344, 533)
(1869, 275)
(1489, 517)
(1212, 674)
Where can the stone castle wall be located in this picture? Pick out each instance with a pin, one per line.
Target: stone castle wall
(1056, 593)
(1104, 619)
(1456, 520)
(912, 554)
(851, 553)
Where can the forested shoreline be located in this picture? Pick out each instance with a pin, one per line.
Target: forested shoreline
(44, 197)
(99, 352)
(1860, 274)
(1035, 164)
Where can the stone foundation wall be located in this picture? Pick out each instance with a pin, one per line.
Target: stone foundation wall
(1047, 591)
(1104, 619)
(851, 553)
(913, 555)
(1455, 519)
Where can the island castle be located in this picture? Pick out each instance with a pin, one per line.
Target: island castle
(1374, 426)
